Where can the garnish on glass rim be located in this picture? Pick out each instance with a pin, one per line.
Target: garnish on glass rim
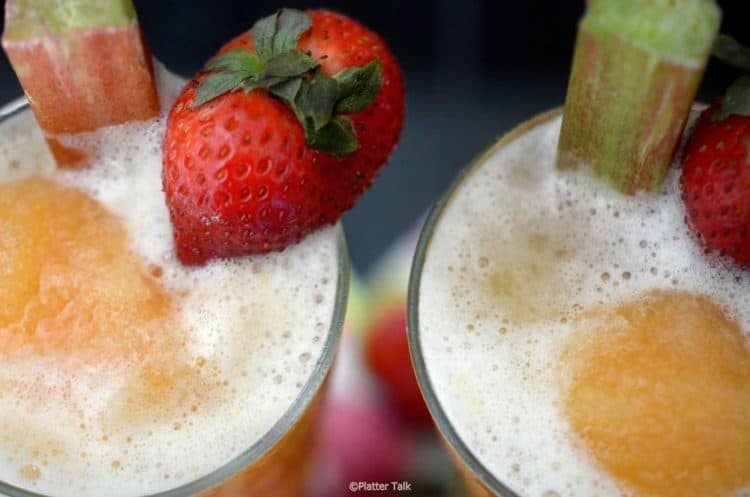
(715, 179)
(280, 134)
(637, 67)
(83, 64)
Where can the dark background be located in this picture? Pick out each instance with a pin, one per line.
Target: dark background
(474, 69)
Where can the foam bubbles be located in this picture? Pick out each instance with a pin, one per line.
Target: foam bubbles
(519, 253)
(247, 328)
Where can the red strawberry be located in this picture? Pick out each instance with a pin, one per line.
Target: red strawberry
(716, 183)
(283, 131)
(387, 355)
(715, 178)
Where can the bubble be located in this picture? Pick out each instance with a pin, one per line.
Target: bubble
(31, 472)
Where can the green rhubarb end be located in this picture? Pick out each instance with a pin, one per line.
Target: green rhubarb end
(28, 19)
(636, 69)
(681, 29)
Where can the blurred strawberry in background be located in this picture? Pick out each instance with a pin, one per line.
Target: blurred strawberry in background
(387, 356)
(386, 344)
(366, 440)
(375, 425)
(360, 438)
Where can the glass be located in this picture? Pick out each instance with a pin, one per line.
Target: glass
(480, 482)
(275, 464)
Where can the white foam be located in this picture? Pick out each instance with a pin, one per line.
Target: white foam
(497, 383)
(260, 322)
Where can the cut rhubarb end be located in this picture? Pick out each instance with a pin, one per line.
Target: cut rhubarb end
(636, 69)
(68, 157)
(83, 64)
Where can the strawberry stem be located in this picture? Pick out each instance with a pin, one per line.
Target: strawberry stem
(83, 64)
(318, 101)
(636, 69)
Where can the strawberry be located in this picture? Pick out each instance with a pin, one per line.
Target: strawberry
(387, 355)
(279, 135)
(715, 181)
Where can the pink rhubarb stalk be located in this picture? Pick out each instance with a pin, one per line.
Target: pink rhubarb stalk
(83, 64)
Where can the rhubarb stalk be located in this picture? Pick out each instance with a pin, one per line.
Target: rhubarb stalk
(83, 64)
(636, 69)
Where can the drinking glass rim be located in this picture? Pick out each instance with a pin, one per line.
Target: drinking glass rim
(445, 427)
(292, 414)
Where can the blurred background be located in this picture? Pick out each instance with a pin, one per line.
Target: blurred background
(474, 69)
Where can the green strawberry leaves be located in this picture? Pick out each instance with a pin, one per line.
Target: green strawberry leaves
(358, 87)
(737, 97)
(732, 52)
(295, 78)
(236, 60)
(736, 100)
(289, 64)
(280, 32)
(218, 84)
(287, 90)
(337, 138)
(316, 101)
